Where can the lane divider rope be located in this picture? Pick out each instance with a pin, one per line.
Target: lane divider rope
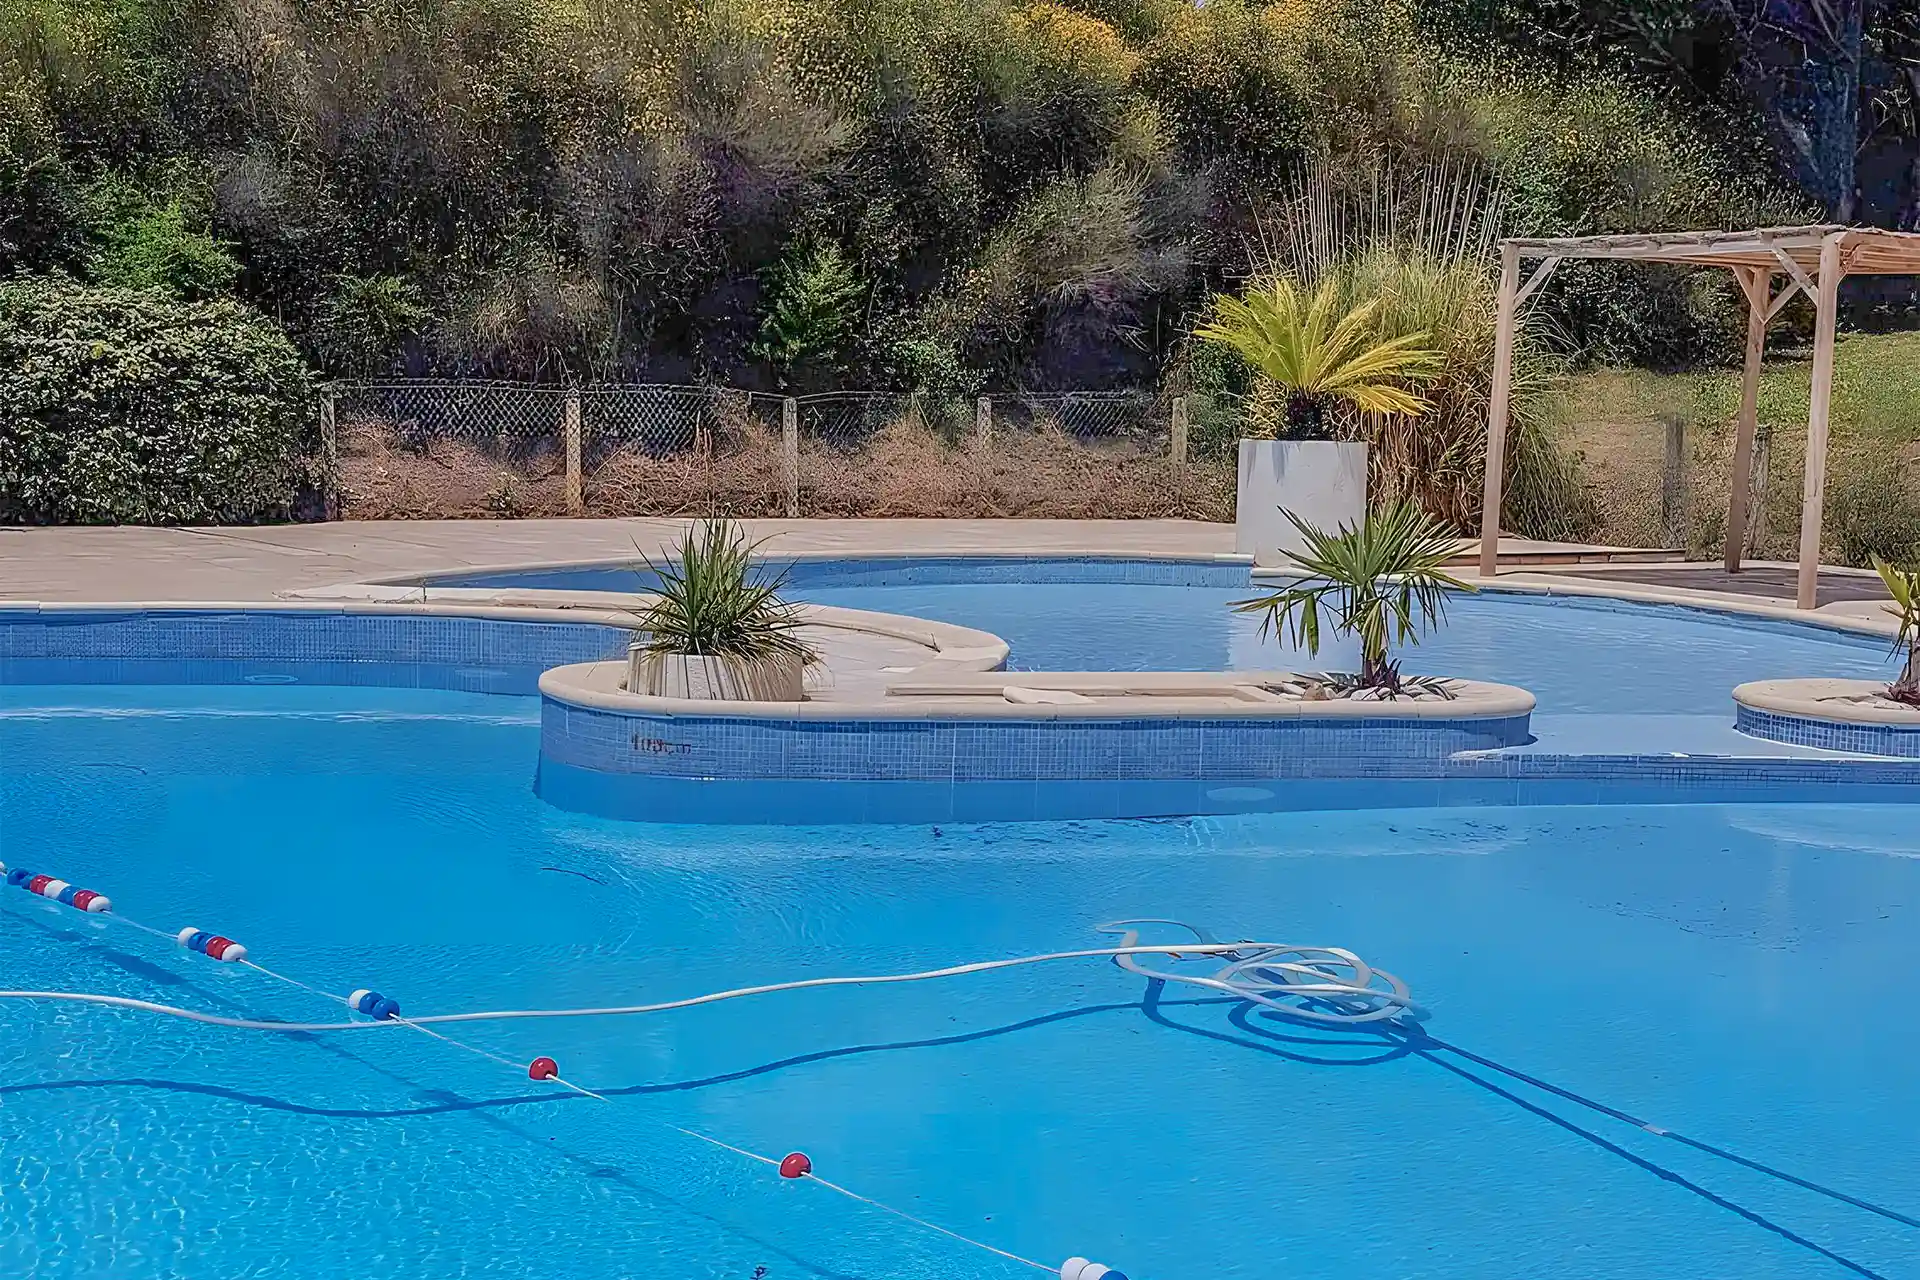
(1328, 985)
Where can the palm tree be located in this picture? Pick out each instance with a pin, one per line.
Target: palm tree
(1317, 359)
(1904, 586)
(1384, 582)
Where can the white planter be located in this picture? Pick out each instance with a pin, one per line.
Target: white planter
(673, 675)
(1323, 482)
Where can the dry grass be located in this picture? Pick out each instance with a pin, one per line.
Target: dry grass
(902, 471)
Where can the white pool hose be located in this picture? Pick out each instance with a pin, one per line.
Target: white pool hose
(1327, 985)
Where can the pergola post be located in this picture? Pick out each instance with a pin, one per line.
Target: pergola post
(1497, 410)
(1814, 494)
(1757, 284)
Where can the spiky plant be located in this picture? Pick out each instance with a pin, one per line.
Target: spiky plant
(1904, 586)
(1317, 355)
(712, 605)
(1383, 582)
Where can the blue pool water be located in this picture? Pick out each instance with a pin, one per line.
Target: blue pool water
(1577, 656)
(1737, 974)
(1574, 655)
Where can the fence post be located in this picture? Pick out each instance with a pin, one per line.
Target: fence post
(1673, 483)
(329, 456)
(576, 499)
(983, 419)
(1180, 418)
(1756, 528)
(790, 452)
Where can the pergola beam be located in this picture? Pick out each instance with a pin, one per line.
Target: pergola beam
(1756, 283)
(1798, 272)
(1506, 312)
(1787, 295)
(1819, 413)
(1538, 278)
(1814, 258)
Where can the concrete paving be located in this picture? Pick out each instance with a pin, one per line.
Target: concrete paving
(128, 563)
(255, 563)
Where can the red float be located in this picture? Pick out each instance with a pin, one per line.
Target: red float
(796, 1165)
(543, 1069)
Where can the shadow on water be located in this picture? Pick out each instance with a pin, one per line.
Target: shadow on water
(1259, 1030)
(1415, 1041)
(436, 1099)
(552, 1097)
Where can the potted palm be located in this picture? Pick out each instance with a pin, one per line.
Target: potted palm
(1904, 586)
(1381, 580)
(1318, 359)
(716, 630)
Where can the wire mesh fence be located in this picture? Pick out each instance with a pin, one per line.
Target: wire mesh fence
(1667, 482)
(424, 449)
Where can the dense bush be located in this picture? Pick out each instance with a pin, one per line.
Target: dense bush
(128, 405)
(1032, 192)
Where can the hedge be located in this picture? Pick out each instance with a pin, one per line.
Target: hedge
(131, 406)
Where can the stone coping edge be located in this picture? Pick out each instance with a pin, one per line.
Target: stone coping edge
(1819, 699)
(1702, 601)
(956, 648)
(596, 685)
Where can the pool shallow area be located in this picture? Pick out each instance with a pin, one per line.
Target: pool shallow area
(1724, 972)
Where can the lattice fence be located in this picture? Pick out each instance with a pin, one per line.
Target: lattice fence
(419, 449)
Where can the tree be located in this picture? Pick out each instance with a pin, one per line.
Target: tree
(816, 306)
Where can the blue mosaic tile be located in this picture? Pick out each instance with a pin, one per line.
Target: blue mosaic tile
(883, 571)
(1833, 735)
(1000, 750)
(308, 647)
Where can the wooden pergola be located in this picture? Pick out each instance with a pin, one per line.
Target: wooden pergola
(1812, 260)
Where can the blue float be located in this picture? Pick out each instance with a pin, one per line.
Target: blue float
(212, 945)
(373, 1004)
(55, 890)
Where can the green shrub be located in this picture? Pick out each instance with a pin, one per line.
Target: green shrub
(37, 227)
(126, 405)
(813, 311)
(144, 242)
(365, 320)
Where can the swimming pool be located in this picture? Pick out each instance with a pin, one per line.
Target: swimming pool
(1576, 655)
(1735, 974)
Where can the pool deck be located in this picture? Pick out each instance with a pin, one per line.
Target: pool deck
(106, 565)
(128, 563)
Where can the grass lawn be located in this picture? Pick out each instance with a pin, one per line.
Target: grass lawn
(1618, 422)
